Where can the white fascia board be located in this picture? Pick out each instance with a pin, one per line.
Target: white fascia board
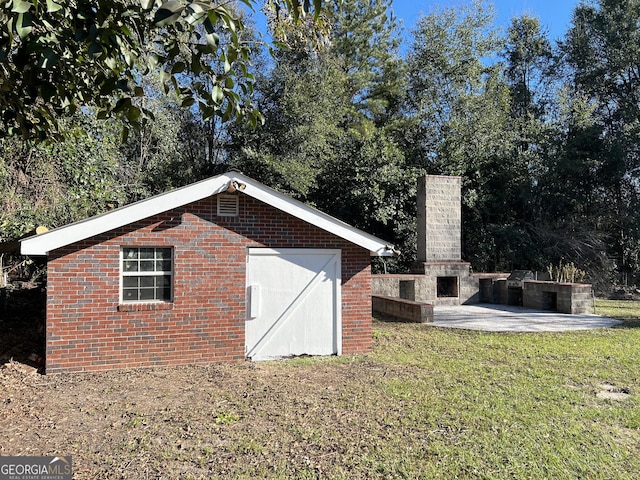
(78, 231)
(376, 246)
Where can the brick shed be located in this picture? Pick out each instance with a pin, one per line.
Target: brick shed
(225, 269)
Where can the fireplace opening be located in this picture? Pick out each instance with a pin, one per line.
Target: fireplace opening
(447, 287)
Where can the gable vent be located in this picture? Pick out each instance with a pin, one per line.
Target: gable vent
(228, 205)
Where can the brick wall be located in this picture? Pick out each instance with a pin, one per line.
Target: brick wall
(89, 330)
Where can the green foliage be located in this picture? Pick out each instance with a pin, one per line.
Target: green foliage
(601, 53)
(364, 42)
(447, 74)
(569, 209)
(90, 168)
(59, 57)
(295, 30)
(531, 154)
(528, 56)
(337, 144)
(224, 418)
(54, 184)
(302, 124)
(371, 187)
(153, 159)
(544, 136)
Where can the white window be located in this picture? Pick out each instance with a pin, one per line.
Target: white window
(147, 274)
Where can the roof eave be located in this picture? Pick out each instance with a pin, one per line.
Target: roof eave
(43, 244)
(75, 232)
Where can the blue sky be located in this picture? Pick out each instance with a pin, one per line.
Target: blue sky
(554, 15)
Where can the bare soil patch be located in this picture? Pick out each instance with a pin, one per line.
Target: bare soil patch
(611, 392)
(304, 418)
(267, 419)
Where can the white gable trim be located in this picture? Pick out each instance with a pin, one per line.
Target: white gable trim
(84, 229)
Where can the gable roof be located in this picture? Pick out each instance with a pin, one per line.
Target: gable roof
(84, 229)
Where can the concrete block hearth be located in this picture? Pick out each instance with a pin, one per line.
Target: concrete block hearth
(402, 309)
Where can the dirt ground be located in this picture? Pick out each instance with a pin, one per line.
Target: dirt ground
(244, 420)
(191, 422)
(302, 418)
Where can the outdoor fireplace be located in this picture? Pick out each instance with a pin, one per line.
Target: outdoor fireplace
(440, 277)
(439, 254)
(447, 287)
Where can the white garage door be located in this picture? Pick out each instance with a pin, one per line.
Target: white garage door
(293, 303)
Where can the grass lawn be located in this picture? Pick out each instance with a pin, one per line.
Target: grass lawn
(487, 405)
(427, 403)
(625, 310)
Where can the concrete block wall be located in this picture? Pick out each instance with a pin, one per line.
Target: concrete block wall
(422, 287)
(572, 298)
(88, 329)
(406, 310)
(406, 286)
(439, 219)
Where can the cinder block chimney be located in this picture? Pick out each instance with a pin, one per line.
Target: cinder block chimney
(439, 219)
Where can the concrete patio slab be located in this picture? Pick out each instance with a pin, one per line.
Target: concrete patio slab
(505, 318)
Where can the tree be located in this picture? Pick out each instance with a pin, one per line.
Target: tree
(367, 181)
(528, 56)
(302, 124)
(446, 70)
(335, 145)
(461, 103)
(151, 158)
(568, 207)
(528, 68)
(369, 184)
(602, 53)
(55, 183)
(306, 126)
(57, 58)
(178, 147)
(364, 42)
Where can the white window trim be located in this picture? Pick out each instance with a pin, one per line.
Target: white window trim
(123, 274)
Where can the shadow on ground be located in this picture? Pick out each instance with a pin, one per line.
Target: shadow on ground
(22, 320)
